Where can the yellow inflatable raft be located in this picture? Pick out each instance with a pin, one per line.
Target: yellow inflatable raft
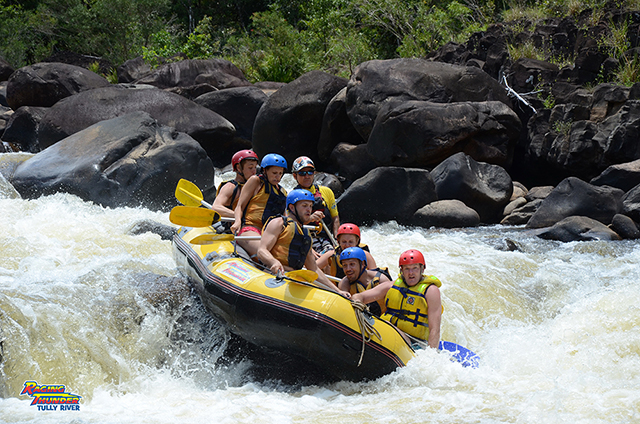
(295, 318)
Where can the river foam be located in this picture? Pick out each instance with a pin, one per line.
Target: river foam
(554, 323)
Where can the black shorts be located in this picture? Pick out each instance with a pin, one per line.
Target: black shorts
(321, 244)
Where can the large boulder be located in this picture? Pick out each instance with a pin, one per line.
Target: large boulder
(445, 214)
(574, 197)
(625, 227)
(3, 94)
(385, 194)
(239, 105)
(331, 181)
(526, 74)
(353, 161)
(75, 113)
(44, 84)
(127, 161)
(607, 99)
(631, 203)
(289, 123)
(624, 176)
(22, 128)
(5, 116)
(483, 187)
(561, 144)
(219, 73)
(578, 228)
(522, 214)
(133, 69)
(376, 82)
(423, 134)
(336, 126)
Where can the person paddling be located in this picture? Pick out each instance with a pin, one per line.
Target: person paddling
(261, 198)
(413, 302)
(286, 244)
(368, 286)
(324, 207)
(245, 164)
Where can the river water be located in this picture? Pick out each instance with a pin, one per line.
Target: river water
(86, 304)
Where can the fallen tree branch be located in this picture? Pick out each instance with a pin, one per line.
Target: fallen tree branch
(513, 93)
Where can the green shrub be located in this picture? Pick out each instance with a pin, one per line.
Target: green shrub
(271, 51)
(628, 72)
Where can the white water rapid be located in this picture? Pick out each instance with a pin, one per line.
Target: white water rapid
(85, 304)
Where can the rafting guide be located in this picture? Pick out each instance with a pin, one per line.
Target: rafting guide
(51, 397)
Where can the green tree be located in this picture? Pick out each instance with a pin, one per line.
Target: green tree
(26, 36)
(272, 50)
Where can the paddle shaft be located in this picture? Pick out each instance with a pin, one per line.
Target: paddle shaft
(326, 230)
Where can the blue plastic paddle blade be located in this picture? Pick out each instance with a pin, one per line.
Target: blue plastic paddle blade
(460, 353)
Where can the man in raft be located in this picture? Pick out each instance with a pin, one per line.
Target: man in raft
(413, 302)
(245, 165)
(261, 198)
(324, 207)
(368, 286)
(286, 244)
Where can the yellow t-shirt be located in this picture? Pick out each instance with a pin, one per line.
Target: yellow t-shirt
(328, 197)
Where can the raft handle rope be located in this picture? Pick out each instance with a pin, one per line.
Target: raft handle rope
(366, 328)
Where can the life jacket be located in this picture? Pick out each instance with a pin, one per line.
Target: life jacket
(233, 201)
(407, 306)
(319, 204)
(269, 201)
(336, 269)
(293, 243)
(377, 307)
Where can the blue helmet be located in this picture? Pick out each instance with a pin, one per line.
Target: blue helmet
(273, 159)
(353, 253)
(297, 195)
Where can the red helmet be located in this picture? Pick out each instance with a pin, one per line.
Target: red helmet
(411, 256)
(243, 155)
(349, 229)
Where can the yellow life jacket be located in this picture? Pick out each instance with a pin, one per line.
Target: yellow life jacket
(377, 307)
(269, 201)
(293, 243)
(407, 306)
(233, 201)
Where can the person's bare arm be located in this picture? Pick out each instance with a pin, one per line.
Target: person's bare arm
(434, 310)
(374, 294)
(344, 284)
(310, 264)
(222, 199)
(371, 263)
(336, 225)
(269, 237)
(248, 191)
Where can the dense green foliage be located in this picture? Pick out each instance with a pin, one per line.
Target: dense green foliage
(274, 40)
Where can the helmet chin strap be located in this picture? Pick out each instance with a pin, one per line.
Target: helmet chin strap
(242, 175)
(295, 213)
(362, 270)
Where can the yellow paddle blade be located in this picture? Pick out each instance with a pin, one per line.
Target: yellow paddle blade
(302, 274)
(211, 238)
(188, 193)
(190, 216)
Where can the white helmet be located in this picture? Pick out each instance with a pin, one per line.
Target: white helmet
(302, 162)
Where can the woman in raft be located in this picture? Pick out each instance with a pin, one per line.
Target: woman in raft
(261, 198)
